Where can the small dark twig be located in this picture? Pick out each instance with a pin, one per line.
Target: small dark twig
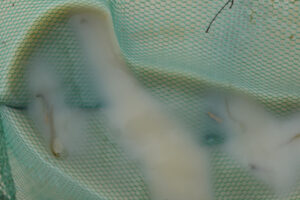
(212, 21)
(232, 2)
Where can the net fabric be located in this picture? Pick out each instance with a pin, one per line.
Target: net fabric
(7, 189)
(252, 48)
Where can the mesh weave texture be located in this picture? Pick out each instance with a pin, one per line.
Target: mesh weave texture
(253, 48)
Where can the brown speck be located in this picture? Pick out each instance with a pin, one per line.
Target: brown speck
(13, 5)
(252, 167)
(252, 16)
(296, 137)
(291, 37)
(83, 21)
(214, 117)
(272, 2)
(294, 1)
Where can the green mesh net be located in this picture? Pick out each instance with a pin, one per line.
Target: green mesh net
(253, 48)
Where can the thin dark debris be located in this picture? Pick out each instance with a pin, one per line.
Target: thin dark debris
(212, 21)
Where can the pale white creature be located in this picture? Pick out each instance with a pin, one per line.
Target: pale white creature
(175, 167)
(62, 126)
(267, 145)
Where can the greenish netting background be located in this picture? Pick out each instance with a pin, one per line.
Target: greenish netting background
(253, 48)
